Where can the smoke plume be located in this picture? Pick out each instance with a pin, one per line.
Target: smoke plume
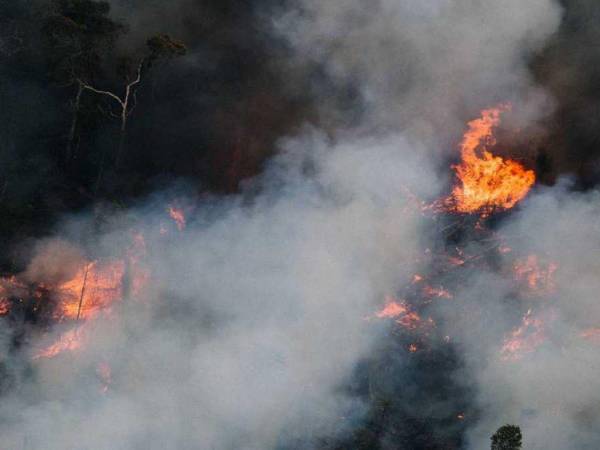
(322, 128)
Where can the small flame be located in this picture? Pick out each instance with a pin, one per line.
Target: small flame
(4, 306)
(539, 278)
(440, 292)
(417, 278)
(178, 217)
(487, 182)
(399, 311)
(524, 339)
(69, 341)
(391, 310)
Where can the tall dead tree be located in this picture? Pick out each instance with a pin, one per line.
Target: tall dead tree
(161, 46)
(79, 35)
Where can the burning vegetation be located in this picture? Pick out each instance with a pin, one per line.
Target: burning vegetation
(299, 225)
(487, 183)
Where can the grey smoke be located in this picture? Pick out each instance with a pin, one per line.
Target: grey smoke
(256, 316)
(551, 393)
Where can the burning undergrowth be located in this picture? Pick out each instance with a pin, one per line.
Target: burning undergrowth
(177, 310)
(384, 283)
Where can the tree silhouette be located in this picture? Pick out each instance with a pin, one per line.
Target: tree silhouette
(160, 46)
(507, 437)
(78, 33)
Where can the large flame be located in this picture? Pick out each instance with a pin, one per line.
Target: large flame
(487, 182)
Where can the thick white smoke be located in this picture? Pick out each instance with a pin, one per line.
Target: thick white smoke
(257, 316)
(423, 67)
(551, 393)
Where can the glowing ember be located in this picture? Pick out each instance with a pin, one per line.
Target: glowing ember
(178, 217)
(524, 339)
(538, 277)
(487, 182)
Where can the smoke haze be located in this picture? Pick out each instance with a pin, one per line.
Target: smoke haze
(302, 138)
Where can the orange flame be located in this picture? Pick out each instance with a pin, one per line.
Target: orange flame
(487, 182)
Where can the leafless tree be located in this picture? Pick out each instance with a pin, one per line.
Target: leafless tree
(126, 102)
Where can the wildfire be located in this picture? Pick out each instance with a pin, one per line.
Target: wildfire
(4, 306)
(487, 182)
